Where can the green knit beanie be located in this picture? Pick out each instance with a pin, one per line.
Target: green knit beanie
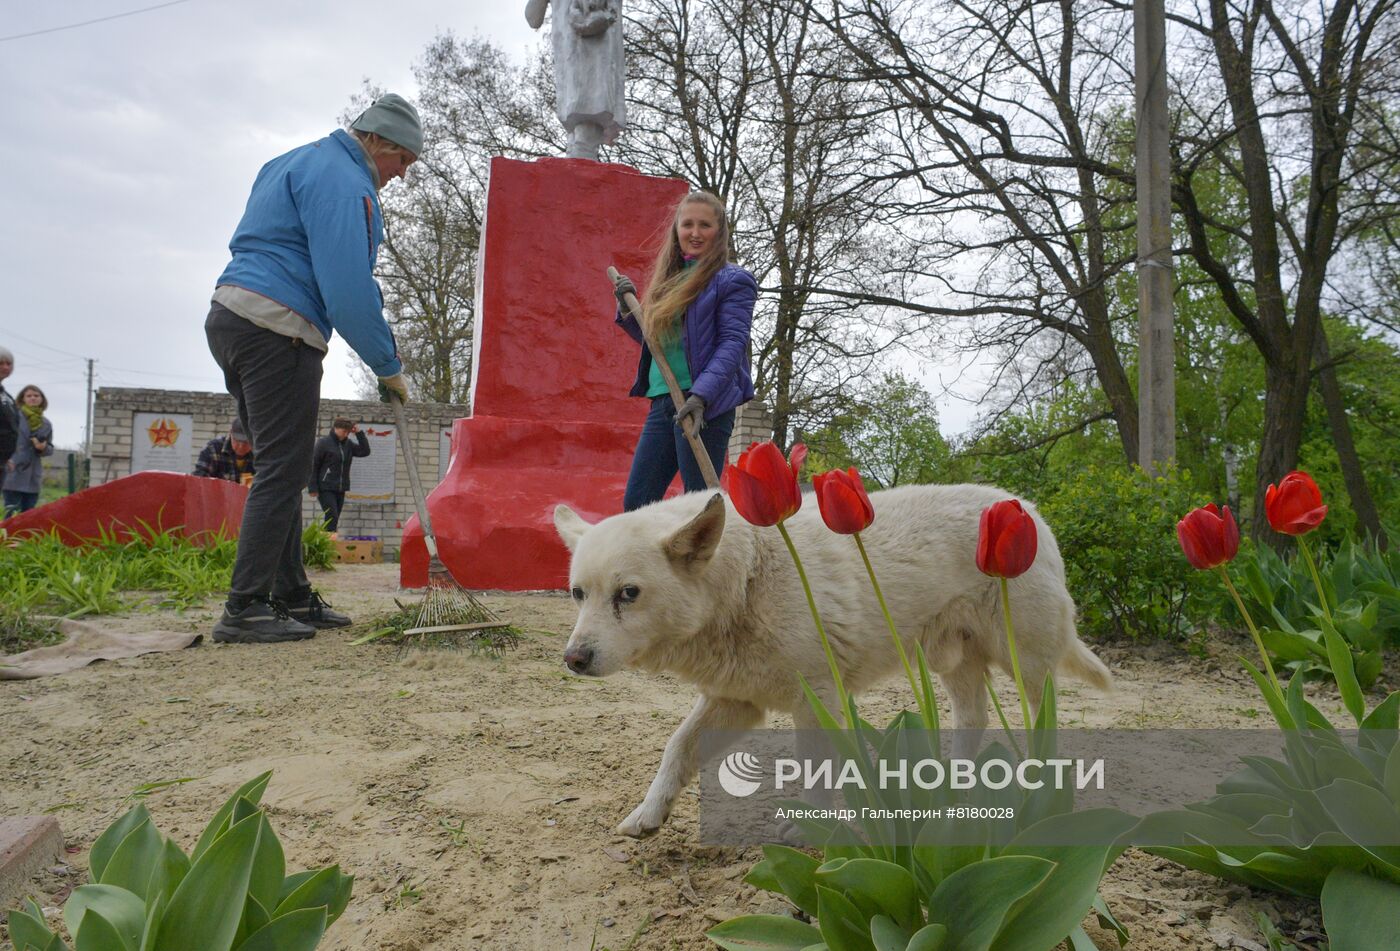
(394, 118)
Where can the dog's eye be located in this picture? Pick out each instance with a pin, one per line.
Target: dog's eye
(576, 592)
(628, 593)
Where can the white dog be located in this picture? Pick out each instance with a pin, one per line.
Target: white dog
(687, 586)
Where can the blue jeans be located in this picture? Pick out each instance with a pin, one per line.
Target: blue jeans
(662, 449)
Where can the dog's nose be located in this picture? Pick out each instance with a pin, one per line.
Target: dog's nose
(579, 659)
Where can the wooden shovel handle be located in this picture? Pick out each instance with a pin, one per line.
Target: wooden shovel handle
(702, 458)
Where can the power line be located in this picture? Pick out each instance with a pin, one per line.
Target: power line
(74, 26)
(35, 343)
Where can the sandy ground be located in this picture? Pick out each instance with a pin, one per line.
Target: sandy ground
(380, 759)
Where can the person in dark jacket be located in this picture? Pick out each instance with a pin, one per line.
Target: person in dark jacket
(229, 457)
(699, 310)
(330, 467)
(9, 414)
(24, 473)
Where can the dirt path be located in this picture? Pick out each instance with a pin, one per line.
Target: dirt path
(380, 760)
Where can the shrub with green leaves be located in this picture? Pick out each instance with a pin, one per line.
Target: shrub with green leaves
(232, 893)
(1116, 532)
(317, 546)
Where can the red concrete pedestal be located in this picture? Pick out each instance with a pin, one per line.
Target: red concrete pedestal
(551, 419)
(163, 501)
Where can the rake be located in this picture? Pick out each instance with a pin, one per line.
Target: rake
(447, 608)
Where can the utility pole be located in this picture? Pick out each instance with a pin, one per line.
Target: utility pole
(87, 430)
(1156, 282)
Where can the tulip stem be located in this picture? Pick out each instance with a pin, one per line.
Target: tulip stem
(1317, 579)
(923, 702)
(1015, 660)
(817, 618)
(1001, 714)
(1253, 631)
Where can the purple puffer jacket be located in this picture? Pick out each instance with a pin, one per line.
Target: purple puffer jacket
(716, 341)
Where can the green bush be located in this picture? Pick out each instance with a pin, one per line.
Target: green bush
(317, 546)
(1117, 533)
(231, 894)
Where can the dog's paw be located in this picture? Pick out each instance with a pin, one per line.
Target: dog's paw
(643, 821)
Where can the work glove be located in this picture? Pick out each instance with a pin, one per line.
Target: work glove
(692, 409)
(393, 384)
(621, 289)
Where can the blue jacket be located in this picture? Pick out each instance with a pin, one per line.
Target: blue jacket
(28, 472)
(716, 338)
(308, 240)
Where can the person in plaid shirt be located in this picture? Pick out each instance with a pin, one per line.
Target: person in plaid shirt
(227, 457)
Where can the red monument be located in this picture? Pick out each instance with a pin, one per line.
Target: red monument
(551, 419)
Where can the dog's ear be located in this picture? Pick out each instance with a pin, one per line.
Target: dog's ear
(569, 526)
(695, 541)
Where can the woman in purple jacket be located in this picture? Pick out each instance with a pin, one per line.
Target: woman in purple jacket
(698, 308)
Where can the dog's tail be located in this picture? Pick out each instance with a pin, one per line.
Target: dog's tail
(1082, 663)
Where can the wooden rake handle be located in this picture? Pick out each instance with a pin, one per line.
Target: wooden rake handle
(420, 500)
(702, 458)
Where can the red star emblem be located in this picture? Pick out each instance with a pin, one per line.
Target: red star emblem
(163, 432)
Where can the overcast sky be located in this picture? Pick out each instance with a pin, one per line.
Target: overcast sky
(130, 146)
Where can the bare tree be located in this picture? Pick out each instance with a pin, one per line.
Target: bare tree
(1295, 83)
(737, 97)
(1005, 117)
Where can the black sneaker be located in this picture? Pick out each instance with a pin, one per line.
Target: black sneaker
(316, 612)
(261, 622)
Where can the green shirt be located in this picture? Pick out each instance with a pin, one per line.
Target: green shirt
(674, 349)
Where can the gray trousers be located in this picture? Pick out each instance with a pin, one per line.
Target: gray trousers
(277, 383)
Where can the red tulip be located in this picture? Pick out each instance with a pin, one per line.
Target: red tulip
(763, 485)
(1295, 506)
(1006, 539)
(844, 505)
(1208, 536)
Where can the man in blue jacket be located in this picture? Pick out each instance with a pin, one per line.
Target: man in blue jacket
(302, 269)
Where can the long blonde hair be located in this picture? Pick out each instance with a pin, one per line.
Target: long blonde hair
(673, 286)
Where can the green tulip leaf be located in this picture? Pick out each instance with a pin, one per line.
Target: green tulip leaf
(123, 910)
(107, 843)
(888, 887)
(974, 901)
(291, 883)
(96, 933)
(1391, 780)
(269, 867)
(55, 944)
(167, 871)
(299, 930)
(205, 910)
(887, 935)
(1079, 940)
(1360, 913)
(1366, 816)
(326, 887)
(255, 916)
(1108, 920)
(155, 911)
(27, 928)
(1386, 715)
(764, 933)
(843, 927)
(929, 938)
(252, 790)
(130, 865)
(795, 872)
(1339, 658)
(1275, 701)
(762, 877)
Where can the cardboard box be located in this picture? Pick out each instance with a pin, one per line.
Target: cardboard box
(360, 549)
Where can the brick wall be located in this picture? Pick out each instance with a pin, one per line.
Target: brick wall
(115, 408)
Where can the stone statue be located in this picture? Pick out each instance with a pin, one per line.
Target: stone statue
(588, 69)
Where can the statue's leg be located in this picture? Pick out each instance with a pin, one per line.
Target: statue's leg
(584, 140)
